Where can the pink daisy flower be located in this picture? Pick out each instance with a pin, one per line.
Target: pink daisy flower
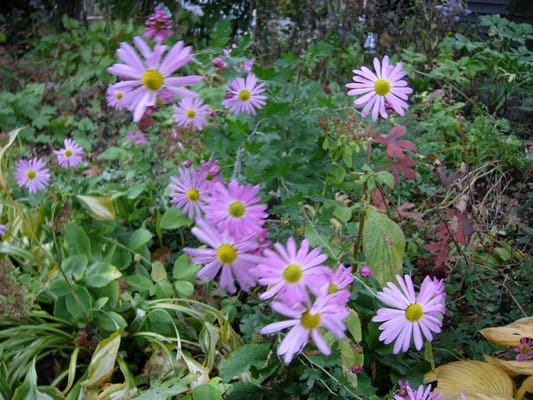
(158, 25)
(525, 350)
(32, 174)
(233, 258)
(117, 98)
(306, 321)
(290, 272)
(244, 95)
(143, 81)
(422, 393)
(411, 315)
(337, 281)
(385, 86)
(188, 192)
(209, 171)
(70, 155)
(191, 112)
(236, 208)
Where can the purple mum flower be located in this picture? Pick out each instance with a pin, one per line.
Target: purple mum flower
(410, 315)
(236, 208)
(191, 112)
(32, 174)
(70, 155)
(189, 192)
(245, 95)
(306, 321)
(158, 25)
(143, 81)
(290, 272)
(234, 258)
(385, 86)
(525, 350)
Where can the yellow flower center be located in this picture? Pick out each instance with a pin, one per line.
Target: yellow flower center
(236, 209)
(382, 87)
(310, 321)
(226, 253)
(414, 312)
(190, 113)
(119, 95)
(152, 79)
(30, 174)
(244, 95)
(67, 153)
(332, 288)
(524, 350)
(292, 273)
(193, 194)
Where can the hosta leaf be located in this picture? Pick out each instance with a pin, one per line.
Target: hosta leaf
(512, 367)
(473, 377)
(383, 245)
(509, 335)
(527, 386)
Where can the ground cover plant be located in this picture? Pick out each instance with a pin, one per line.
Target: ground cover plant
(185, 218)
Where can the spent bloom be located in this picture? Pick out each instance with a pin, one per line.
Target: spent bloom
(421, 393)
(385, 86)
(290, 272)
(158, 25)
(306, 321)
(236, 208)
(191, 112)
(409, 315)
(244, 95)
(70, 155)
(233, 258)
(32, 174)
(137, 137)
(525, 350)
(143, 81)
(189, 192)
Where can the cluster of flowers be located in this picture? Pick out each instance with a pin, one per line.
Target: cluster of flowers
(405, 392)
(33, 173)
(147, 82)
(229, 220)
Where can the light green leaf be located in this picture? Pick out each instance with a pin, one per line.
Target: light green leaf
(100, 208)
(185, 288)
(12, 136)
(173, 218)
(139, 238)
(158, 272)
(349, 358)
(100, 273)
(353, 323)
(103, 361)
(383, 245)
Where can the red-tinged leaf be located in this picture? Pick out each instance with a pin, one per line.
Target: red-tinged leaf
(402, 211)
(378, 200)
(402, 165)
(462, 227)
(395, 148)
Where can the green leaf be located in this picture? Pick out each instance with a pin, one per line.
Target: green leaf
(139, 238)
(158, 272)
(185, 288)
(77, 240)
(383, 245)
(349, 358)
(100, 208)
(100, 273)
(184, 269)
(206, 392)
(240, 360)
(353, 323)
(173, 218)
(103, 361)
(75, 266)
(113, 153)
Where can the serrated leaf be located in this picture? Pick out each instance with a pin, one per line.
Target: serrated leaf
(240, 360)
(100, 208)
(103, 361)
(383, 245)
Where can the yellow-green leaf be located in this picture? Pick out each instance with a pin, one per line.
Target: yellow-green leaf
(100, 208)
(473, 377)
(103, 361)
(383, 245)
(509, 335)
(12, 136)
